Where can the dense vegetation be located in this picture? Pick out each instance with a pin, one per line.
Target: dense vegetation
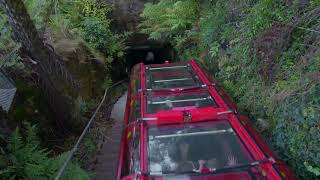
(81, 32)
(24, 159)
(266, 55)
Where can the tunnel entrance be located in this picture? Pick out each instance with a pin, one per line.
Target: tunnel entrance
(148, 54)
(142, 50)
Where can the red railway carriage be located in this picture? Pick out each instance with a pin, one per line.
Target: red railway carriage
(180, 125)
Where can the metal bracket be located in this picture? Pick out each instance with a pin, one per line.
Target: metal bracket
(186, 116)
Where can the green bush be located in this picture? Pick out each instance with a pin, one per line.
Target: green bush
(39, 11)
(96, 33)
(90, 20)
(171, 20)
(5, 31)
(23, 158)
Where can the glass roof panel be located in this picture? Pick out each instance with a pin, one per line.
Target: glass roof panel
(181, 101)
(168, 77)
(179, 149)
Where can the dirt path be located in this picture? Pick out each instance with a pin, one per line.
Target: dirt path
(106, 166)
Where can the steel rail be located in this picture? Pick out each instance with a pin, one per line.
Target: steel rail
(75, 147)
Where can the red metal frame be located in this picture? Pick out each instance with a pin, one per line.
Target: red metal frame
(143, 125)
(226, 110)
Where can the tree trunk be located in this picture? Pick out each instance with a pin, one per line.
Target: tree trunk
(54, 79)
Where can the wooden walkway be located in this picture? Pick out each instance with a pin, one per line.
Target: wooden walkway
(106, 166)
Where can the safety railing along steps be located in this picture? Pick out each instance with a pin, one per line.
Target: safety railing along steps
(84, 132)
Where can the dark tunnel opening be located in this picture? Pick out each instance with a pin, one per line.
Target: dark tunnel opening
(142, 50)
(148, 55)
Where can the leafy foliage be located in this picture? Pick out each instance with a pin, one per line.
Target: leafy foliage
(24, 159)
(228, 36)
(90, 20)
(5, 30)
(171, 19)
(94, 32)
(39, 11)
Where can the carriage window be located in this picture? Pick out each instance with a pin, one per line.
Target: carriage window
(135, 108)
(179, 149)
(180, 101)
(171, 77)
(132, 154)
(135, 79)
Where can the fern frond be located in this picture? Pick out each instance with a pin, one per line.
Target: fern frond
(15, 141)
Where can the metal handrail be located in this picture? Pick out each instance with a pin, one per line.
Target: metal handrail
(230, 130)
(166, 67)
(75, 147)
(180, 100)
(170, 80)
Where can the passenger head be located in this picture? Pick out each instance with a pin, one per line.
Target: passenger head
(150, 56)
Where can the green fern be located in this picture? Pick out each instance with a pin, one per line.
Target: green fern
(24, 159)
(172, 20)
(89, 19)
(169, 18)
